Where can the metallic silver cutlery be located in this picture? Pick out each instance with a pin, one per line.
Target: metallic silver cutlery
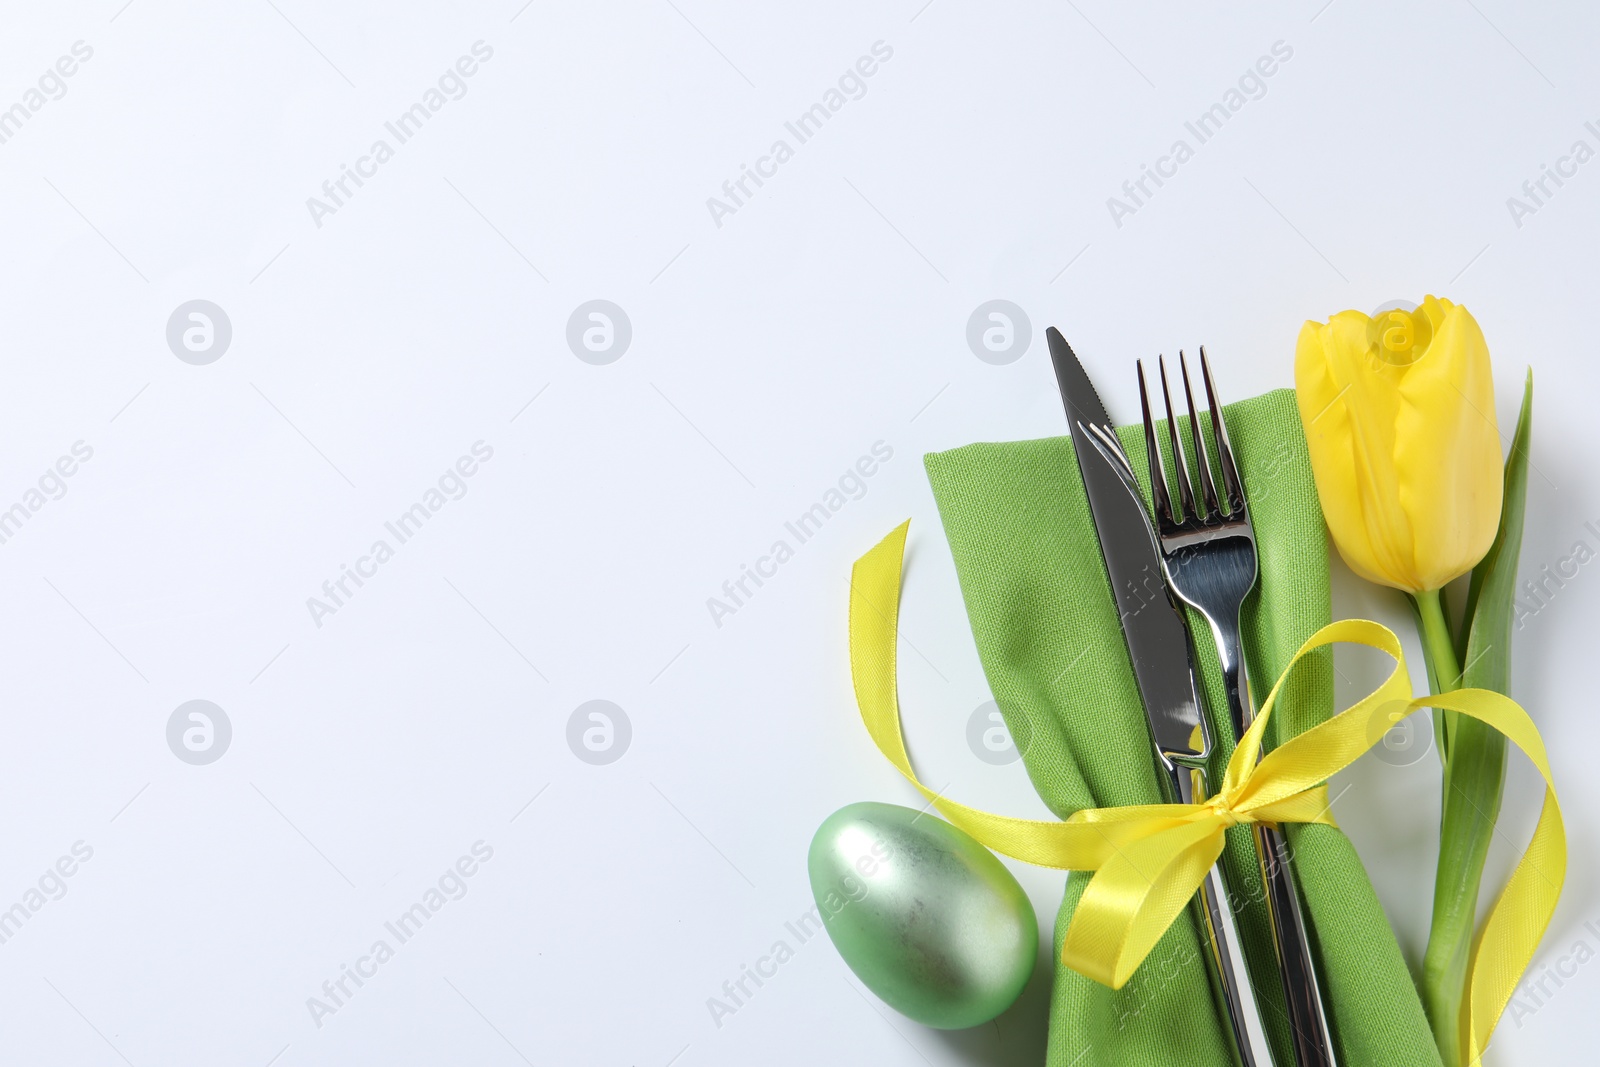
(1162, 655)
(1208, 551)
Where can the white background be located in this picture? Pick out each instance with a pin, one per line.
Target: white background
(768, 353)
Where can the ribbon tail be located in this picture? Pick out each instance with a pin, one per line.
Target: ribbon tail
(1133, 899)
(1523, 911)
(1312, 805)
(874, 615)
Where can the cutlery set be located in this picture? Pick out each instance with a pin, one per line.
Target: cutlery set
(1198, 549)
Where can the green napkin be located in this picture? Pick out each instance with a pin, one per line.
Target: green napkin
(1047, 632)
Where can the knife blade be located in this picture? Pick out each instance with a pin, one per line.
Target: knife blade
(1162, 654)
(1157, 636)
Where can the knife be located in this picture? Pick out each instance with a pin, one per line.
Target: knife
(1162, 655)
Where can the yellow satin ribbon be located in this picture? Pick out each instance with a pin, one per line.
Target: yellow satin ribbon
(1149, 860)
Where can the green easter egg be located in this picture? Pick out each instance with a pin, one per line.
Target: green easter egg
(926, 917)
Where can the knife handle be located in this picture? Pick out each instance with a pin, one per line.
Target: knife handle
(1230, 978)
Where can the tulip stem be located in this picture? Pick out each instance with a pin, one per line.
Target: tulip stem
(1439, 652)
(1437, 644)
(1473, 775)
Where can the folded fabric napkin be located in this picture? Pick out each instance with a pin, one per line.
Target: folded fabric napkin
(1047, 633)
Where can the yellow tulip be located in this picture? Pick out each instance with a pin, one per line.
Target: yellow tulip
(1399, 416)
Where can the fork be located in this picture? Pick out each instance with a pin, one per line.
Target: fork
(1208, 550)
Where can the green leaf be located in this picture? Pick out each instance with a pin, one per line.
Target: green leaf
(1474, 776)
(1494, 581)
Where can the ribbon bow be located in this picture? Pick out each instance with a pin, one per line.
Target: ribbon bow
(1149, 860)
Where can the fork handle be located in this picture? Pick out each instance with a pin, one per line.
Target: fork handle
(1313, 1043)
(1308, 1016)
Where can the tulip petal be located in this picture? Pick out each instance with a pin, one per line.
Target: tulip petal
(1399, 419)
(1447, 450)
(1351, 437)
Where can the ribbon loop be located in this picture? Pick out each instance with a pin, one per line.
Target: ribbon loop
(1149, 860)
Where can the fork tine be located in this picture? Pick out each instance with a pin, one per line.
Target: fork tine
(1230, 471)
(1179, 459)
(1202, 457)
(1158, 469)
